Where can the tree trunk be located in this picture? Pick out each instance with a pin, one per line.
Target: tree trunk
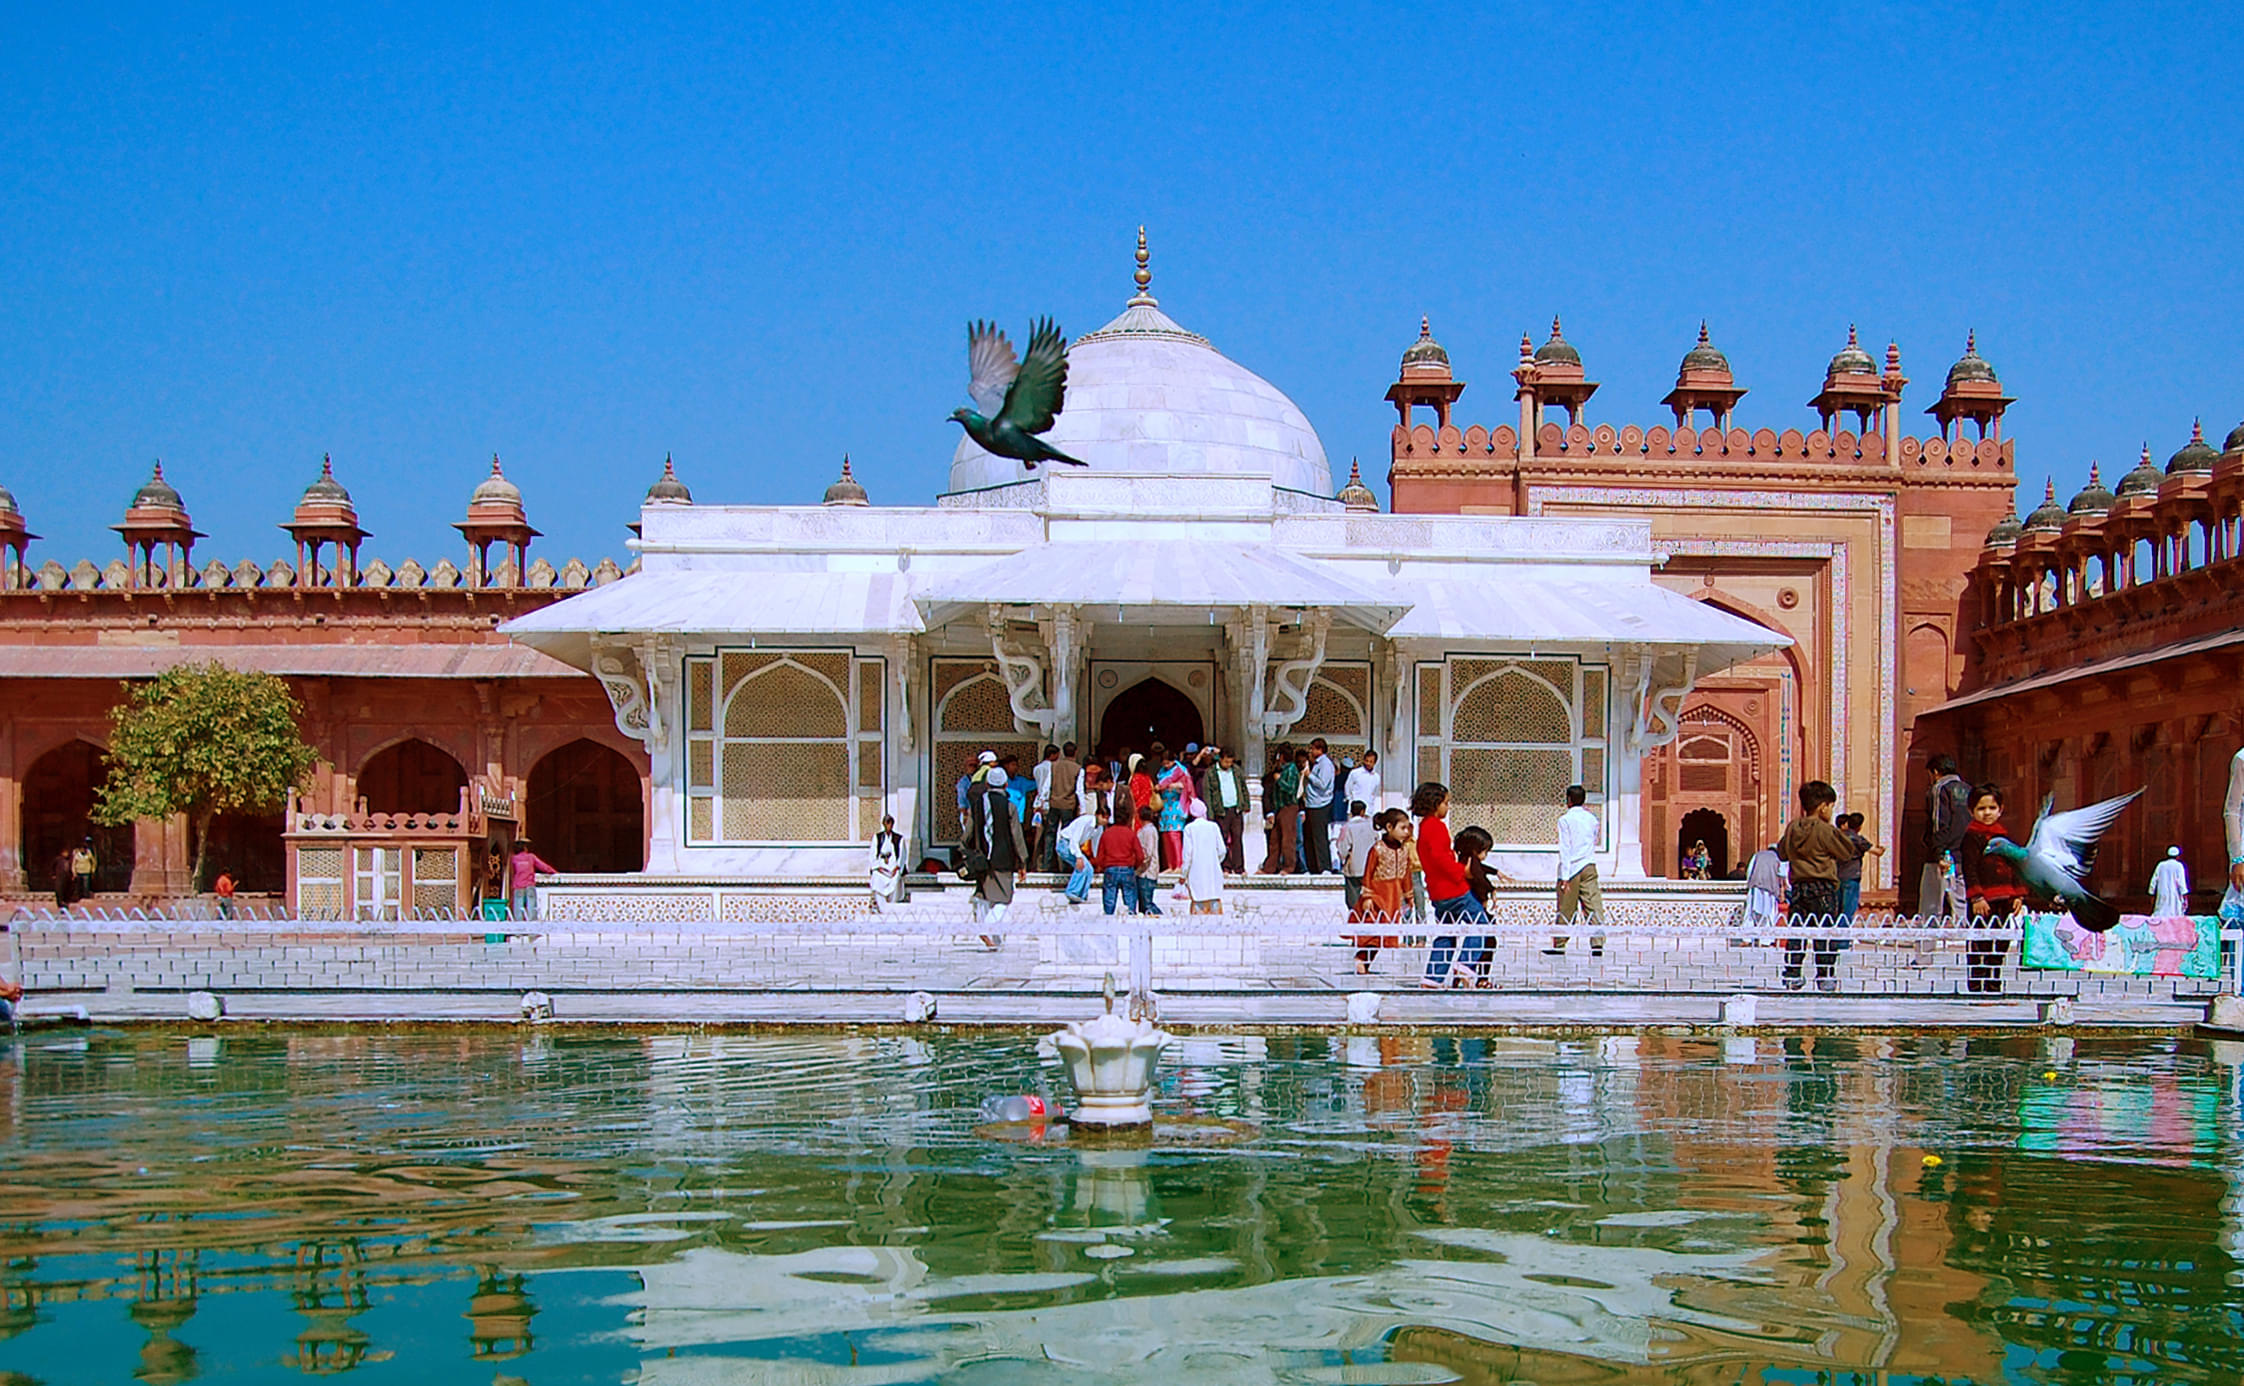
(202, 851)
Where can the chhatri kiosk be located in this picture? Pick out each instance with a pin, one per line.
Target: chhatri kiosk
(795, 672)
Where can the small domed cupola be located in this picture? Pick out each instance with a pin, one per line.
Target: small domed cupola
(1973, 393)
(2006, 530)
(1852, 385)
(1557, 351)
(495, 515)
(2143, 481)
(1551, 374)
(1970, 366)
(1852, 359)
(1705, 356)
(2195, 456)
(2093, 499)
(157, 519)
(1425, 379)
(668, 490)
(1356, 496)
(325, 516)
(845, 490)
(2049, 516)
(1703, 381)
(1425, 358)
(14, 538)
(325, 500)
(2235, 441)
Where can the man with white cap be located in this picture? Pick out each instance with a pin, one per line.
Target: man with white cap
(2170, 887)
(994, 827)
(967, 783)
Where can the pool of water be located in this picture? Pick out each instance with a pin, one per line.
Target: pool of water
(674, 1210)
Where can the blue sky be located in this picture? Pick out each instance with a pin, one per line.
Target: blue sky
(752, 236)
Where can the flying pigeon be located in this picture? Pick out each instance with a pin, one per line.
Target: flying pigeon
(1015, 400)
(2055, 860)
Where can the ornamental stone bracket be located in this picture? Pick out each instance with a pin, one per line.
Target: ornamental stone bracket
(1657, 685)
(627, 674)
(1047, 717)
(1289, 682)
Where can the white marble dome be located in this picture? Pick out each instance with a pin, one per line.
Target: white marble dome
(1145, 395)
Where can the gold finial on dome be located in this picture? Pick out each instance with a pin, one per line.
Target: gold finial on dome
(1144, 275)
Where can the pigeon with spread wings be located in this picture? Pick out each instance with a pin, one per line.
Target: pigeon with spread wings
(2055, 860)
(1014, 400)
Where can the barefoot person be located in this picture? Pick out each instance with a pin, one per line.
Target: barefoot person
(1385, 896)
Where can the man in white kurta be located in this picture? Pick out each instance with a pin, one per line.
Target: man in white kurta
(2169, 885)
(1202, 864)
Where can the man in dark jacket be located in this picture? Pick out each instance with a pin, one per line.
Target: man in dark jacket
(1940, 892)
(995, 828)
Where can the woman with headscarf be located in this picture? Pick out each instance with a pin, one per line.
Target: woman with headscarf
(1201, 862)
(1173, 783)
(1140, 787)
(885, 869)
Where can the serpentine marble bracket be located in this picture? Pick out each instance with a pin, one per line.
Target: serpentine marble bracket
(1290, 681)
(1659, 704)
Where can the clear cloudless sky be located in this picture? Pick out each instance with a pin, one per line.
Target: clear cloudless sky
(235, 238)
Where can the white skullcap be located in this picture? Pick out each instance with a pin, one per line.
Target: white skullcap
(995, 779)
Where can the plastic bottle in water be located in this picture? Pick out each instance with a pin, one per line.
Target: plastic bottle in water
(1017, 1107)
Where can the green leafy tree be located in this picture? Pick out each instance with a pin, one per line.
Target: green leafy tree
(203, 739)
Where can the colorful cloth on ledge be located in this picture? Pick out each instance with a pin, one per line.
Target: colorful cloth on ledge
(2138, 946)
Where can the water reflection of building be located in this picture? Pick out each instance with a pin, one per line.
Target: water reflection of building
(163, 1302)
(499, 1314)
(329, 1292)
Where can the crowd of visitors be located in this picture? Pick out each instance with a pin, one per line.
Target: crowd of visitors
(1134, 822)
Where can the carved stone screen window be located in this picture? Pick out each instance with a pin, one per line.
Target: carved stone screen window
(1508, 735)
(784, 746)
(1338, 708)
(972, 714)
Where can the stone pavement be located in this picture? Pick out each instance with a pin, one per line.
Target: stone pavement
(1292, 969)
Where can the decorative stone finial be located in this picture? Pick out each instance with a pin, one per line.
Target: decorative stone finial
(2094, 478)
(1893, 358)
(1554, 325)
(1355, 496)
(845, 490)
(1850, 336)
(327, 466)
(1971, 343)
(2197, 430)
(667, 488)
(1144, 275)
(495, 465)
(1526, 346)
(1704, 342)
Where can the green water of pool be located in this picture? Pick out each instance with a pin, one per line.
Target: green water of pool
(499, 1207)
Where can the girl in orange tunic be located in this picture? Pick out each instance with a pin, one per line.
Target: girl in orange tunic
(1386, 892)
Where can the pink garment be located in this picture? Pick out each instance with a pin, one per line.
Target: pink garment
(522, 872)
(1188, 793)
